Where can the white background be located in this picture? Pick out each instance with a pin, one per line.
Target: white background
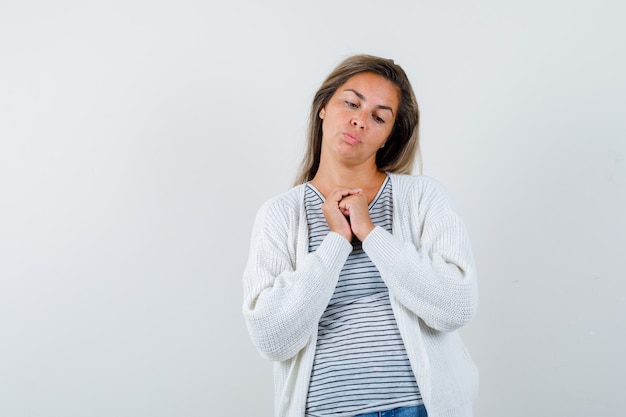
(138, 138)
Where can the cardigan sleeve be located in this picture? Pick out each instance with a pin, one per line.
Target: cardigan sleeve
(432, 273)
(285, 298)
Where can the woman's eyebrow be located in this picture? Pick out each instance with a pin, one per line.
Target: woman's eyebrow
(362, 97)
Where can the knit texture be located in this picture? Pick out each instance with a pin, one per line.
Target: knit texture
(426, 262)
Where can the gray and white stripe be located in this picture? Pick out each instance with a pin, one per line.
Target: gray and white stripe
(360, 361)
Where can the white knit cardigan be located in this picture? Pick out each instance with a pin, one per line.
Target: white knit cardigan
(426, 262)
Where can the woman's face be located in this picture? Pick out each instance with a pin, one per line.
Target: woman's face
(359, 118)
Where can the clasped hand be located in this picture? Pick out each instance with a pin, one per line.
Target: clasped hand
(347, 213)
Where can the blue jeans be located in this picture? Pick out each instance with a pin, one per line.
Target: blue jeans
(415, 411)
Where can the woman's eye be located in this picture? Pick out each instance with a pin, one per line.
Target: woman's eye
(378, 119)
(351, 104)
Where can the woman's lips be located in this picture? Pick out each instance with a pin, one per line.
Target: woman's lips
(351, 139)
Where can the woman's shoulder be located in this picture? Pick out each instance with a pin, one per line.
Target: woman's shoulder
(417, 184)
(287, 202)
(420, 192)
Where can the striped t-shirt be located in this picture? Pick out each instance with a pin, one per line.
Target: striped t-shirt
(360, 363)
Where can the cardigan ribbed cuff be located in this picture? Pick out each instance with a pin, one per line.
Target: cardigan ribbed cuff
(382, 248)
(333, 251)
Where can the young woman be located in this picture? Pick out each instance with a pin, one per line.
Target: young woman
(360, 275)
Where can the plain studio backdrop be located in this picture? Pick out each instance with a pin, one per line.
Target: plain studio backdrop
(138, 139)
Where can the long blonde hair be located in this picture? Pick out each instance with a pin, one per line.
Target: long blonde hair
(399, 153)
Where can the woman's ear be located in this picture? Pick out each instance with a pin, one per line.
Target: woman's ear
(322, 113)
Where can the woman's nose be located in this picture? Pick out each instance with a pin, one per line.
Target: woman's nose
(357, 122)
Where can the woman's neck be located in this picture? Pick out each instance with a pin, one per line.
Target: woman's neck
(329, 178)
